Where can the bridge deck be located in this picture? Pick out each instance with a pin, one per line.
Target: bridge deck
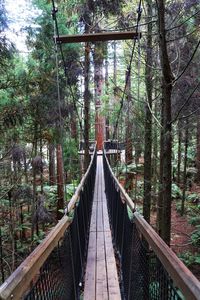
(101, 279)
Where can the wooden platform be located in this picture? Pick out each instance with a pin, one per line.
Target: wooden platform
(101, 279)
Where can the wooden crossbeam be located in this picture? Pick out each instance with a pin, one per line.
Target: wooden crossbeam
(96, 37)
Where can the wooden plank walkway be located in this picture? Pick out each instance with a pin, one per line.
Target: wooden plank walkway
(101, 279)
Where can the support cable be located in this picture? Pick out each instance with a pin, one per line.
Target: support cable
(139, 12)
(54, 12)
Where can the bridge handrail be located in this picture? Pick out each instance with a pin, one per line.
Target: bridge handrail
(181, 275)
(124, 194)
(19, 281)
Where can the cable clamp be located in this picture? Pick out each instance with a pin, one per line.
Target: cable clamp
(54, 12)
(139, 10)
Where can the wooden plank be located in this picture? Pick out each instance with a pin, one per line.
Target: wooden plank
(112, 276)
(95, 37)
(106, 223)
(101, 274)
(100, 216)
(90, 275)
(105, 265)
(93, 223)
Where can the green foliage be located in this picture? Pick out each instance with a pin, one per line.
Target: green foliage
(70, 189)
(195, 237)
(39, 238)
(192, 197)
(51, 193)
(195, 220)
(190, 258)
(176, 191)
(71, 159)
(131, 168)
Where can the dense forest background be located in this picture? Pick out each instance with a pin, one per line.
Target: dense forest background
(144, 91)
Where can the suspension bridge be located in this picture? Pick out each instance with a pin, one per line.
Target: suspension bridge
(101, 249)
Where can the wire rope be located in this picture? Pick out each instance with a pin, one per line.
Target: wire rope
(139, 12)
(57, 35)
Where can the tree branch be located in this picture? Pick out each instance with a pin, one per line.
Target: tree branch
(184, 104)
(189, 62)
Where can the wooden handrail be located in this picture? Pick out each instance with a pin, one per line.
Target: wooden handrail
(19, 281)
(124, 194)
(180, 274)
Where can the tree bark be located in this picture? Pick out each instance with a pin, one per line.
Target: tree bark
(185, 170)
(60, 182)
(179, 157)
(148, 121)
(160, 194)
(41, 172)
(128, 137)
(73, 125)
(98, 88)
(166, 145)
(86, 107)
(52, 176)
(108, 100)
(33, 207)
(115, 64)
(198, 150)
(129, 127)
(155, 156)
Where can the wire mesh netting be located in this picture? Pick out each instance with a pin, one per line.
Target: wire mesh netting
(143, 277)
(60, 278)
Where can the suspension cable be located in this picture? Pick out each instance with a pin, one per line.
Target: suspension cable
(54, 12)
(139, 12)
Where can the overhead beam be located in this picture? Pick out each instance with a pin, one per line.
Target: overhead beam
(96, 37)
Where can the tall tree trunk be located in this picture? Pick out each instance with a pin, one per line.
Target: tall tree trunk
(185, 169)
(160, 194)
(1, 259)
(115, 63)
(108, 100)
(73, 124)
(155, 157)
(166, 145)
(60, 182)
(86, 106)
(52, 175)
(41, 155)
(148, 121)
(98, 88)
(128, 137)
(179, 156)
(138, 148)
(198, 150)
(129, 127)
(33, 207)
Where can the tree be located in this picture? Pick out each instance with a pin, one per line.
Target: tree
(166, 140)
(148, 119)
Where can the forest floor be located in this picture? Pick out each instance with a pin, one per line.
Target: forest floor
(181, 232)
(181, 238)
